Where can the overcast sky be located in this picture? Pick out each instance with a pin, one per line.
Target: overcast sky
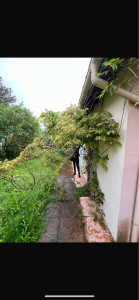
(45, 83)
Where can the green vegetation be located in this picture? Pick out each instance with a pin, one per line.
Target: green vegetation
(30, 160)
(60, 194)
(18, 128)
(116, 70)
(75, 127)
(6, 97)
(82, 191)
(22, 212)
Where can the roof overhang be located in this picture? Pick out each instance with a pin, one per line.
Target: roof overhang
(93, 85)
(92, 69)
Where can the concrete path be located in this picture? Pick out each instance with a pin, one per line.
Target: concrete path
(64, 214)
(70, 220)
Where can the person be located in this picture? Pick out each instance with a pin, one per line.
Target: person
(75, 160)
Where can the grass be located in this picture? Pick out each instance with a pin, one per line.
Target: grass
(82, 191)
(22, 212)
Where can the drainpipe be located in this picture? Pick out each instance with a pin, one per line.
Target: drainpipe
(100, 83)
(135, 226)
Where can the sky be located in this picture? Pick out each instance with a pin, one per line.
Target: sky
(45, 83)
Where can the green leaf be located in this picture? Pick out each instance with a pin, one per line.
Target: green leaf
(137, 103)
(106, 72)
(111, 91)
(118, 144)
(99, 74)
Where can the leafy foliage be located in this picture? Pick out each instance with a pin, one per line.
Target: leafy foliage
(117, 66)
(22, 213)
(75, 127)
(82, 191)
(6, 97)
(18, 128)
(49, 119)
(32, 151)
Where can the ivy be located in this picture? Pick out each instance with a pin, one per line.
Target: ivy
(116, 66)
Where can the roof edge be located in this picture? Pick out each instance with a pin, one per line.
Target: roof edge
(92, 71)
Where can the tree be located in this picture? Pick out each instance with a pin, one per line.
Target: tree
(49, 119)
(18, 128)
(6, 97)
(75, 128)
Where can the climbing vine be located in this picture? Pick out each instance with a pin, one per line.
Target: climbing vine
(116, 71)
(75, 127)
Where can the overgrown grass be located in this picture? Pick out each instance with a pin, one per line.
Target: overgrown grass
(82, 191)
(22, 212)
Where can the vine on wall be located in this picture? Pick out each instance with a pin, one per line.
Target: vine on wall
(116, 71)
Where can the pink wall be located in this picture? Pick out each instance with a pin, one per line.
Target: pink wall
(130, 175)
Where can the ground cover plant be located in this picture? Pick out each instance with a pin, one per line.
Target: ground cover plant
(22, 211)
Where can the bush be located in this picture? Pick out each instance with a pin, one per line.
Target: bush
(2, 154)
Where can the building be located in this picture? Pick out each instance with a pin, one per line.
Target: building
(120, 184)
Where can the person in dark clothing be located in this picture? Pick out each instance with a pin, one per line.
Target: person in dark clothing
(75, 159)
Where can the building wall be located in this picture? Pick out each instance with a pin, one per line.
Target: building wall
(119, 183)
(128, 217)
(111, 181)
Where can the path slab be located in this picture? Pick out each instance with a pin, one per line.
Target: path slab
(51, 234)
(64, 224)
(64, 221)
(70, 230)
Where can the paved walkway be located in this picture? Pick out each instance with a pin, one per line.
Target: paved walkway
(70, 220)
(64, 217)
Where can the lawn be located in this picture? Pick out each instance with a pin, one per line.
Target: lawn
(22, 211)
